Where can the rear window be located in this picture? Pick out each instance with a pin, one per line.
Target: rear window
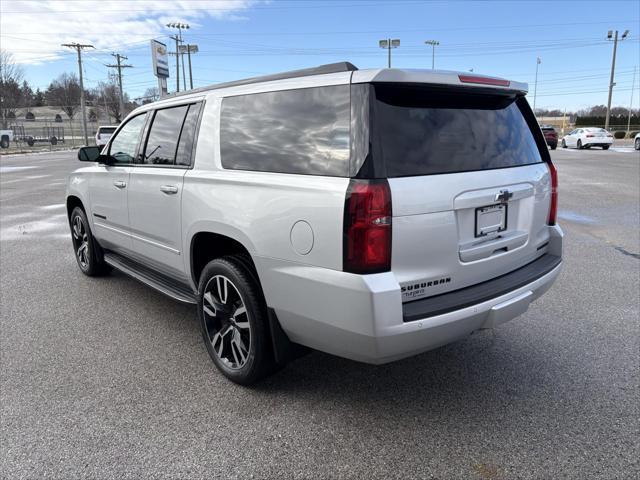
(106, 130)
(425, 131)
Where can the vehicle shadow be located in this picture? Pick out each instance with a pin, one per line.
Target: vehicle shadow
(483, 372)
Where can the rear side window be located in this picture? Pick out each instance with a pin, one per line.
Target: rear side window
(162, 142)
(187, 137)
(303, 131)
(106, 130)
(422, 131)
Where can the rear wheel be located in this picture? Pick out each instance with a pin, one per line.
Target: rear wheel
(233, 320)
(4, 142)
(605, 147)
(87, 251)
(579, 144)
(53, 141)
(637, 144)
(554, 146)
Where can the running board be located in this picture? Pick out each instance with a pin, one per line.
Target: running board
(144, 274)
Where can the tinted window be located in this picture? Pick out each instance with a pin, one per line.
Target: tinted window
(187, 137)
(163, 136)
(421, 131)
(302, 131)
(123, 146)
(106, 130)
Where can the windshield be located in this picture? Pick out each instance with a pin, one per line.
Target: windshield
(424, 131)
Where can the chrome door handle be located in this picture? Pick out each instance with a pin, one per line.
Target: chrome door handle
(169, 189)
(119, 184)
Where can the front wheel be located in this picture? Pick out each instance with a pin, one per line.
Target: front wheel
(233, 320)
(579, 144)
(554, 146)
(4, 143)
(605, 147)
(564, 144)
(637, 144)
(87, 251)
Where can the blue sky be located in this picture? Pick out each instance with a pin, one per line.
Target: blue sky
(240, 38)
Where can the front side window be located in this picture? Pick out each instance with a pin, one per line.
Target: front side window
(162, 142)
(304, 131)
(124, 145)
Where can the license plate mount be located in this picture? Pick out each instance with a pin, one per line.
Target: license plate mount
(491, 219)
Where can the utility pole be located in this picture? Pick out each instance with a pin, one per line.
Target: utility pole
(120, 66)
(613, 69)
(433, 44)
(633, 86)
(535, 85)
(79, 47)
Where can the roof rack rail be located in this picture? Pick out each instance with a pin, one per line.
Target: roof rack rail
(305, 72)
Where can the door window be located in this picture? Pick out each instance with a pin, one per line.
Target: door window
(124, 145)
(162, 143)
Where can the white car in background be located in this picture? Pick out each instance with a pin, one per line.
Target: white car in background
(104, 134)
(588, 137)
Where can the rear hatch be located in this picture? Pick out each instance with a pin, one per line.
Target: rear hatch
(470, 190)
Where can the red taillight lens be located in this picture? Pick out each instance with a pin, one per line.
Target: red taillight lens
(590, 136)
(553, 208)
(367, 227)
(484, 80)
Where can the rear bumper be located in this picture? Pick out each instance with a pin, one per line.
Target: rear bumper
(597, 141)
(362, 317)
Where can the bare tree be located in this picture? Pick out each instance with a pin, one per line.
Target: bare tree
(109, 95)
(150, 95)
(64, 92)
(11, 75)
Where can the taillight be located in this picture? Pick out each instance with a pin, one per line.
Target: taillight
(367, 227)
(484, 80)
(590, 136)
(553, 207)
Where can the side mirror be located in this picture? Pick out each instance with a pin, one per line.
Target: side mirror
(89, 154)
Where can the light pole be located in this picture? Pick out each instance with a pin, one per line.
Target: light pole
(189, 48)
(388, 44)
(613, 69)
(179, 26)
(535, 85)
(433, 44)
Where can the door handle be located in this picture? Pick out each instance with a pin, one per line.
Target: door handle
(119, 184)
(169, 189)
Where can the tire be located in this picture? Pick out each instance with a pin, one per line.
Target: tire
(4, 142)
(88, 253)
(605, 147)
(579, 145)
(234, 322)
(554, 146)
(53, 140)
(637, 144)
(30, 141)
(564, 144)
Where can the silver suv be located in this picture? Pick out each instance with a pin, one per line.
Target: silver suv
(370, 214)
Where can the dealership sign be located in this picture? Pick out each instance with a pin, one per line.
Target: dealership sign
(160, 59)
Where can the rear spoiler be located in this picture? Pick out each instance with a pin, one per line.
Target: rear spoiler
(437, 77)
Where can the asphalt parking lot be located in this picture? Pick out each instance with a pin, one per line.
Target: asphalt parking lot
(106, 378)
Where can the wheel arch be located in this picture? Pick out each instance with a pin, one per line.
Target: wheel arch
(208, 244)
(74, 201)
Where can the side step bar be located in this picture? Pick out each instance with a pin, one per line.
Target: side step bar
(162, 283)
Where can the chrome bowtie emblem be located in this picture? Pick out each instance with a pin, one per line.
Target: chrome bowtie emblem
(503, 196)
